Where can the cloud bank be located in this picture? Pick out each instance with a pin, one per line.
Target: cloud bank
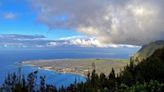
(17, 40)
(40, 41)
(95, 43)
(133, 22)
(20, 36)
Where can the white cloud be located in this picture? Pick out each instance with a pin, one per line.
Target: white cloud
(51, 44)
(86, 43)
(95, 43)
(81, 41)
(109, 21)
(73, 37)
(9, 16)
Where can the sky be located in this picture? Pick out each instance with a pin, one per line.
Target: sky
(84, 23)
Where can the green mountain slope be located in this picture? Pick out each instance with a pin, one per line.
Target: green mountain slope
(147, 50)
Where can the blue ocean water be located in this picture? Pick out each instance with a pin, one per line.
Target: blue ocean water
(10, 57)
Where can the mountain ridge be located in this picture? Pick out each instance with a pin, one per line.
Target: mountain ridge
(147, 50)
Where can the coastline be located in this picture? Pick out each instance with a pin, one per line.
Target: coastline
(78, 66)
(52, 70)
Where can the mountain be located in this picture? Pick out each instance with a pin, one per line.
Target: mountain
(152, 68)
(147, 50)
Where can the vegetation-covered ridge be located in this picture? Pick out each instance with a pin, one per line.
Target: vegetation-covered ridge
(146, 76)
(147, 50)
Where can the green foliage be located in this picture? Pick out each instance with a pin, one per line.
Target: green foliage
(152, 86)
(16, 83)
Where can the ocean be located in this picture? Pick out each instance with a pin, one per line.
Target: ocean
(9, 57)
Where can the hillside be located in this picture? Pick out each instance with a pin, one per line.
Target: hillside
(147, 50)
(151, 68)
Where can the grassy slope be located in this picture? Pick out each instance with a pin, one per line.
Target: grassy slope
(147, 50)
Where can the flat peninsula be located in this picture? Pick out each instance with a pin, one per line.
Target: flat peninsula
(80, 66)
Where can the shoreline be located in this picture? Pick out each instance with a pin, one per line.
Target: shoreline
(42, 68)
(78, 66)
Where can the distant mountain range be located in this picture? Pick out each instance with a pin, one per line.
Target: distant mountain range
(147, 50)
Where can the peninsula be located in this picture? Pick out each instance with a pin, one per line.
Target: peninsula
(80, 66)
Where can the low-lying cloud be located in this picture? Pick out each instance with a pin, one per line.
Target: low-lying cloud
(133, 22)
(91, 42)
(20, 36)
(18, 40)
(40, 41)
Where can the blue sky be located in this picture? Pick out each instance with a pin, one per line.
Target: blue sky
(24, 21)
